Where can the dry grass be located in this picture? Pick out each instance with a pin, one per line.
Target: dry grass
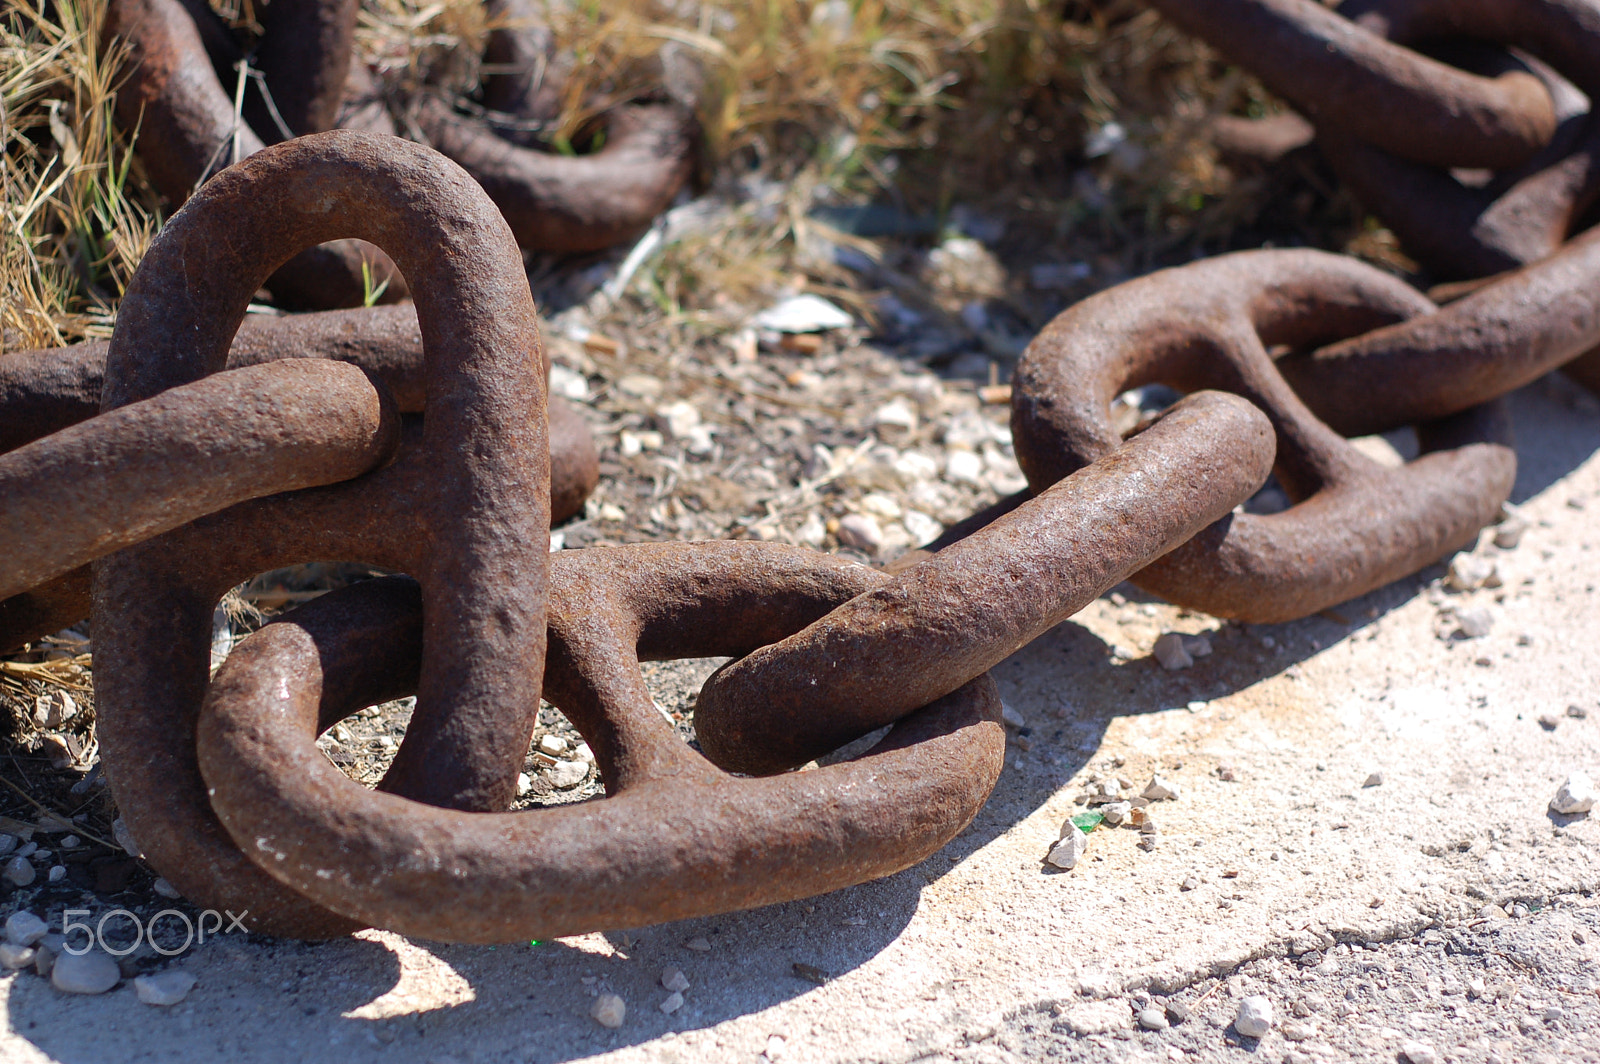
(77, 216)
(979, 102)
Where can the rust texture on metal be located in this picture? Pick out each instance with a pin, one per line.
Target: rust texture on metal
(675, 837)
(1504, 335)
(1337, 72)
(475, 536)
(47, 390)
(1356, 524)
(555, 202)
(182, 107)
(974, 603)
(150, 466)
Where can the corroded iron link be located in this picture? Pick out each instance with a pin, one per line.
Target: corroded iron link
(1356, 525)
(477, 539)
(974, 603)
(674, 838)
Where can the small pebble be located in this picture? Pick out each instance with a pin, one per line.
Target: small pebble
(56, 874)
(565, 775)
(776, 1045)
(1508, 533)
(19, 871)
(1255, 1017)
(1065, 853)
(1419, 1053)
(1159, 789)
(1468, 572)
(1189, 883)
(24, 928)
(93, 972)
(553, 745)
(1575, 712)
(14, 957)
(698, 944)
(1549, 721)
(44, 959)
(1576, 795)
(1115, 812)
(674, 979)
(1170, 652)
(1227, 773)
(1147, 843)
(165, 889)
(1374, 780)
(860, 531)
(70, 842)
(164, 988)
(9, 842)
(673, 1002)
(1011, 716)
(1177, 1011)
(609, 1010)
(1152, 1019)
(1474, 623)
(1298, 1032)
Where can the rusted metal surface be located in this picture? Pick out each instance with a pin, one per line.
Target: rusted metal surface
(1504, 335)
(47, 390)
(554, 202)
(1356, 525)
(304, 57)
(171, 93)
(675, 837)
(150, 466)
(574, 203)
(475, 534)
(975, 602)
(1338, 73)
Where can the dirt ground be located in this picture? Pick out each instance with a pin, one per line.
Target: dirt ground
(1443, 905)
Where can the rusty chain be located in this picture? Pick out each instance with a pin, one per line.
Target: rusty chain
(416, 440)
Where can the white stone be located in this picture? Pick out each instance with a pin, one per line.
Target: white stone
(56, 874)
(524, 784)
(1116, 812)
(92, 972)
(609, 1010)
(14, 956)
(1298, 1032)
(964, 467)
(1160, 789)
(164, 988)
(1508, 533)
(1255, 1017)
(921, 527)
(679, 419)
(165, 889)
(24, 928)
(564, 775)
(583, 753)
(554, 745)
(19, 871)
(895, 420)
(1171, 653)
(1099, 1017)
(1474, 623)
(1468, 572)
(801, 314)
(7, 844)
(1576, 795)
(673, 1002)
(860, 531)
(1071, 846)
(568, 383)
(699, 944)
(1009, 714)
(1419, 1053)
(674, 979)
(775, 1048)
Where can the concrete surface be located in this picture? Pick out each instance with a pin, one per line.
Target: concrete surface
(985, 954)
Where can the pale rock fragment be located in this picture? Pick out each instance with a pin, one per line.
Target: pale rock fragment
(91, 972)
(674, 979)
(19, 872)
(1160, 789)
(1071, 846)
(1255, 1017)
(24, 928)
(164, 988)
(1171, 653)
(1575, 795)
(14, 956)
(672, 1003)
(609, 1010)
(860, 531)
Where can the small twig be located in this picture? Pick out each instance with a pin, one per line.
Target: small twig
(57, 817)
